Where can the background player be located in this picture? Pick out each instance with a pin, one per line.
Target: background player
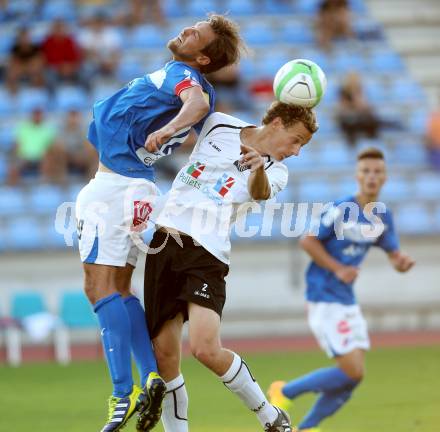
(185, 278)
(334, 316)
(131, 129)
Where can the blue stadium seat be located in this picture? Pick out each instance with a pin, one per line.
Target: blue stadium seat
(73, 191)
(315, 191)
(240, 8)
(24, 233)
(71, 97)
(129, 70)
(406, 90)
(7, 103)
(412, 154)
(296, 32)
(199, 8)
(13, 201)
(286, 195)
(357, 6)
(24, 304)
(414, 219)
(308, 7)
(259, 33)
(270, 62)
(103, 90)
(348, 61)
(143, 37)
(173, 8)
(29, 99)
(54, 9)
(345, 186)
(7, 138)
(52, 238)
(418, 121)
(397, 189)
(335, 156)
(277, 7)
(304, 161)
(427, 186)
(45, 199)
(3, 168)
(386, 62)
(75, 311)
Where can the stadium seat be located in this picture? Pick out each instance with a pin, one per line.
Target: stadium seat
(296, 32)
(407, 91)
(427, 186)
(144, 37)
(412, 154)
(7, 103)
(12, 201)
(314, 191)
(305, 161)
(3, 168)
(240, 8)
(53, 239)
(335, 156)
(259, 33)
(29, 99)
(129, 70)
(276, 7)
(269, 63)
(24, 233)
(199, 8)
(386, 62)
(414, 219)
(418, 121)
(103, 90)
(352, 61)
(396, 189)
(308, 7)
(45, 199)
(345, 186)
(173, 8)
(54, 9)
(7, 137)
(71, 97)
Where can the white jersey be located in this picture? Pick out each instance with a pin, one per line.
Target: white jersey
(208, 191)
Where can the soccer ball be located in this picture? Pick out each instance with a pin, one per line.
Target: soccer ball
(300, 82)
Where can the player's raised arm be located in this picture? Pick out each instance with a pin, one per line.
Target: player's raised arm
(322, 258)
(258, 183)
(194, 108)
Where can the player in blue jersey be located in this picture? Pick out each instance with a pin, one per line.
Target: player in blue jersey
(145, 120)
(338, 246)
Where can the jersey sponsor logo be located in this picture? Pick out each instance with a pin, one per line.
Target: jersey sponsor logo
(354, 250)
(224, 184)
(195, 169)
(194, 172)
(343, 327)
(141, 213)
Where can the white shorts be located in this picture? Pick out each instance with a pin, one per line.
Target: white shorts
(339, 329)
(111, 212)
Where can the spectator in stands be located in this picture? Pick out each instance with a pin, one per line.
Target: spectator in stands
(76, 154)
(62, 54)
(355, 115)
(102, 46)
(25, 62)
(333, 22)
(231, 94)
(36, 150)
(432, 139)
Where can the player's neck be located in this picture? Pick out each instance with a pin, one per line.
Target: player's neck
(364, 199)
(191, 63)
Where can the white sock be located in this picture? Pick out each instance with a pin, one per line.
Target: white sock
(175, 406)
(239, 380)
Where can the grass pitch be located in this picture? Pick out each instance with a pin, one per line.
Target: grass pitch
(400, 394)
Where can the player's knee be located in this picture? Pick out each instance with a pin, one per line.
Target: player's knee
(204, 352)
(356, 372)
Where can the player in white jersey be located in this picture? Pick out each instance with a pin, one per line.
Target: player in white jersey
(233, 163)
(145, 120)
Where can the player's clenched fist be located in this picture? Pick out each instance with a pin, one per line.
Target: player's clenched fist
(347, 274)
(251, 158)
(401, 262)
(156, 139)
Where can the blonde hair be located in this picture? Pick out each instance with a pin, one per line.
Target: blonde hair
(290, 115)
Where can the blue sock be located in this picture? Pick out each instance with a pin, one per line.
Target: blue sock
(319, 381)
(140, 339)
(115, 335)
(326, 404)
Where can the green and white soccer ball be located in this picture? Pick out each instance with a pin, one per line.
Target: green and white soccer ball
(300, 82)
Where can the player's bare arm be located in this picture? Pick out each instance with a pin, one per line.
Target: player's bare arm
(321, 257)
(194, 108)
(258, 183)
(400, 261)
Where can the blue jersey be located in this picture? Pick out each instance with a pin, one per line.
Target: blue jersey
(122, 122)
(347, 234)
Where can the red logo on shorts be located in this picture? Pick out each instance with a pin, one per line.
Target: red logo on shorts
(141, 213)
(343, 327)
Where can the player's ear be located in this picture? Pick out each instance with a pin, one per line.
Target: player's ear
(276, 122)
(203, 60)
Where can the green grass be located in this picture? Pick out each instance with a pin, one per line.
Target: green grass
(401, 393)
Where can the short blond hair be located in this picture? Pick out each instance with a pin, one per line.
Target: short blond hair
(290, 115)
(370, 153)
